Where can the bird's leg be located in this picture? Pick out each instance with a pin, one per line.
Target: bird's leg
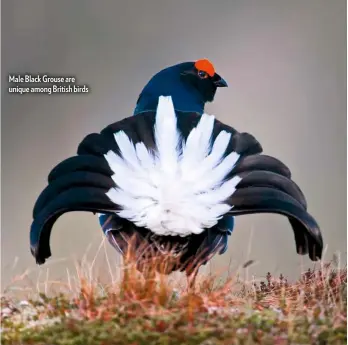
(191, 276)
(149, 273)
(148, 270)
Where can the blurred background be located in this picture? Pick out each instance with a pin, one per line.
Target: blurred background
(285, 62)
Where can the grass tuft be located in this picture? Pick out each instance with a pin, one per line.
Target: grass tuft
(156, 310)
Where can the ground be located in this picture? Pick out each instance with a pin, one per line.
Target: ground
(311, 310)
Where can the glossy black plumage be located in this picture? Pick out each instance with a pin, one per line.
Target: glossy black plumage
(79, 183)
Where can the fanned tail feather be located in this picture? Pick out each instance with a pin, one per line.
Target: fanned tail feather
(176, 174)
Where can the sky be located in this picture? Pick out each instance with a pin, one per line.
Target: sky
(284, 61)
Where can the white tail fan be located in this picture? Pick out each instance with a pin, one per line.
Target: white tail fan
(176, 191)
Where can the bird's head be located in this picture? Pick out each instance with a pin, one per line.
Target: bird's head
(190, 84)
(201, 75)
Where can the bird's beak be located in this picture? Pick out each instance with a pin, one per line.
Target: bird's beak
(219, 81)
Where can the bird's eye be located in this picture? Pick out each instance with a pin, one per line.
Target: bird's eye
(202, 74)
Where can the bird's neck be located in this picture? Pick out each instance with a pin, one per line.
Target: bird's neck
(185, 99)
